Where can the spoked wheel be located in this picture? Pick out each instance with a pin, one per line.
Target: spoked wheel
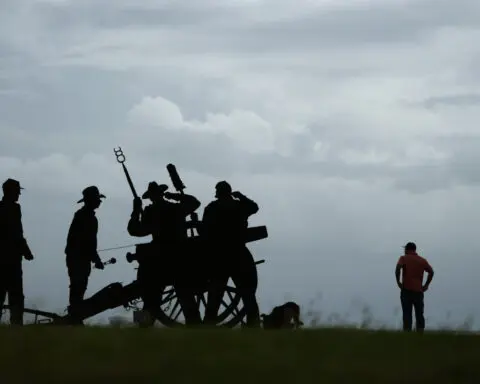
(230, 313)
(170, 312)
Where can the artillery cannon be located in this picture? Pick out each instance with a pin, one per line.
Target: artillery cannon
(169, 313)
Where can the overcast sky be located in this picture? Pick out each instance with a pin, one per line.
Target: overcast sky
(353, 124)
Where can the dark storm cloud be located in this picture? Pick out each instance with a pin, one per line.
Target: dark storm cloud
(195, 27)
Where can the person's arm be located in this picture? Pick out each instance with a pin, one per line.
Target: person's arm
(95, 256)
(206, 220)
(26, 252)
(137, 224)
(249, 206)
(430, 273)
(188, 203)
(398, 270)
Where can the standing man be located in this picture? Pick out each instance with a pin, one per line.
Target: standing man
(14, 248)
(412, 266)
(81, 249)
(224, 225)
(165, 221)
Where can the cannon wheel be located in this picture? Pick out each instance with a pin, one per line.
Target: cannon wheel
(170, 311)
(231, 312)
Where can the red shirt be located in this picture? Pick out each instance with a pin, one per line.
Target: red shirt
(414, 266)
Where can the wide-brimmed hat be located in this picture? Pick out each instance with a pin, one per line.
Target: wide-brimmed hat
(154, 187)
(11, 184)
(91, 193)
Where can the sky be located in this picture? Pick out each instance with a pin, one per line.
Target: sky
(353, 125)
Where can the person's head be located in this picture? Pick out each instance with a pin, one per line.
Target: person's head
(92, 198)
(223, 190)
(155, 192)
(11, 190)
(410, 248)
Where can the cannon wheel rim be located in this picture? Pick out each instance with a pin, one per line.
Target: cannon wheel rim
(169, 318)
(235, 307)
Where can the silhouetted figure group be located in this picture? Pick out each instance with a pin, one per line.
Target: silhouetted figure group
(223, 242)
(164, 262)
(223, 233)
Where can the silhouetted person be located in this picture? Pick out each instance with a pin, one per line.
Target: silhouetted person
(81, 248)
(13, 248)
(224, 225)
(165, 221)
(412, 266)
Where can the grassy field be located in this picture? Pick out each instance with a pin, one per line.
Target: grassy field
(225, 356)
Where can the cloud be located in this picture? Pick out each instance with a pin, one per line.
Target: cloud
(244, 128)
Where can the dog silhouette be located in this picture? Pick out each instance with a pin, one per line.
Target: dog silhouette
(285, 316)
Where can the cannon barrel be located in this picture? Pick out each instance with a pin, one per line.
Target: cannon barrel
(175, 178)
(112, 296)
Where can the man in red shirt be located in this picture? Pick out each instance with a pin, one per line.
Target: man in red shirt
(412, 266)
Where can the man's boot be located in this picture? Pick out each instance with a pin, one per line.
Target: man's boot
(16, 316)
(74, 315)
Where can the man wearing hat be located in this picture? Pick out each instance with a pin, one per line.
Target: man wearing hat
(165, 221)
(412, 267)
(14, 248)
(81, 248)
(224, 225)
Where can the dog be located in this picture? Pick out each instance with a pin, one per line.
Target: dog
(282, 316)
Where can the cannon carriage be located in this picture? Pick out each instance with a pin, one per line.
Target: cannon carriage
(170, 311)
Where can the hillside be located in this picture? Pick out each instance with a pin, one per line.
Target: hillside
(177, 356)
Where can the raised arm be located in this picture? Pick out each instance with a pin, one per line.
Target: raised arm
(188, 203)
(249, 206)
(137, 225)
